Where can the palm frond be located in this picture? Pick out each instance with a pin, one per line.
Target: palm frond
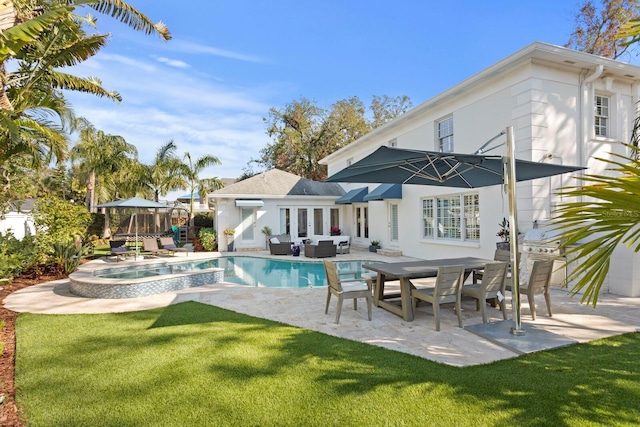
(15, 38)
(130, 16)
(603, 213)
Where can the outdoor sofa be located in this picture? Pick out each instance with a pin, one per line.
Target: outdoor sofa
(280, 245)
(324, 249)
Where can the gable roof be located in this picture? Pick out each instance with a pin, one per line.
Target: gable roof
(278, 183)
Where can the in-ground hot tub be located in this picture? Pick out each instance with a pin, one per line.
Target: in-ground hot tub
(141, 280)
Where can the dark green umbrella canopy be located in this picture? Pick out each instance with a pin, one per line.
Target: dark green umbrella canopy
(401, 166)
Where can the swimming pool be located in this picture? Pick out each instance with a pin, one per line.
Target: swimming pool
(243, 270)
(163, 276)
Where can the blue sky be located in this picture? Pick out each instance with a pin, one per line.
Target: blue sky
(210, 87)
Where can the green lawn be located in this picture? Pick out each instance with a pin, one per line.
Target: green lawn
(193, 364)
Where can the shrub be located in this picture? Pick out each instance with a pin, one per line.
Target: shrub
(58, 220)
(16, 255)
(67, 255)
(203, 219)
(96, 224)
(207, 238)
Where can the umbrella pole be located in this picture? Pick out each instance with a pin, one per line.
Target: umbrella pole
(510, 186)
(137, 246)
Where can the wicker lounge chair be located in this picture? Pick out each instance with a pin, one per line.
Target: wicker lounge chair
(151, 245)
(168, 244)
(324, 249)
(119, 249)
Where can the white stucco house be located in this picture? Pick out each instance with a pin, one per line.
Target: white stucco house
(565, 107)
(18, 220)
(284, 202)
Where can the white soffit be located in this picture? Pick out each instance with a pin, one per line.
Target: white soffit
(250, 203)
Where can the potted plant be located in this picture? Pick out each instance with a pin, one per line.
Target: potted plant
(228, 233)
(375, 245)
(504, 235)
(266, 230)
(335, 231)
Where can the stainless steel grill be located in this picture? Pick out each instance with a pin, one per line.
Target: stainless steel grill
(540, 243)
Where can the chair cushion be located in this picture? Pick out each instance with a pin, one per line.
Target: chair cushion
(274, 240)
(354, 286)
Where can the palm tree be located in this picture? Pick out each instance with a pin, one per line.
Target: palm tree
(100, 154)
(166, 173)
(203, 186)
(43, 37)
(604, 215)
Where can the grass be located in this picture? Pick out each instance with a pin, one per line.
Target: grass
(194, 364)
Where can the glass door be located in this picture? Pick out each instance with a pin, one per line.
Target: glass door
(303, 223)
(248, 224)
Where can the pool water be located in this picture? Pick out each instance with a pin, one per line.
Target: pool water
(249, 271)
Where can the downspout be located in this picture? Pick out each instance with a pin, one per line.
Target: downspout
(580, 149)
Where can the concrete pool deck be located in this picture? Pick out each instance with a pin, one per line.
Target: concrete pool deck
(304, 308)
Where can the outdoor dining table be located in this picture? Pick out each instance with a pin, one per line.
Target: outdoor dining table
(405, 271)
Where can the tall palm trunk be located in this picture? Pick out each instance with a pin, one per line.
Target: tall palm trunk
(90, 183)
(7, 20)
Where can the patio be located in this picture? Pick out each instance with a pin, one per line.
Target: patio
(305, 308)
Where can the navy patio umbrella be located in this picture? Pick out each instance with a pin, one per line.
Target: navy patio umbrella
(390, 165)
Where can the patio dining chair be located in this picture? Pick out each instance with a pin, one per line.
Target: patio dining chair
(539, 283)
(499, 255)
(350, 288)
(493, 282)
(448, 289)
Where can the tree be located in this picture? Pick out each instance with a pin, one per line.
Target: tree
(100, 154)
(386, 109)
(304, 133)
(203, 186)
(597, 28)
(606, 213)
(43, 37)
(166, 173)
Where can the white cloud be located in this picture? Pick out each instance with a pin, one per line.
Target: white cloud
(189, 47)
(173, 62)
(200, 114)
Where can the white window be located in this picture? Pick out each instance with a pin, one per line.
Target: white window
(318, 221)
(362, 222)
(393, 143)
(471, 217)
(427, 217)
(248, 223)
(455, 217)
(602, 115)
(394, 222)
(285, 221)
(445, 135)
(349, 161)
(334, 214)
(448, 217)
